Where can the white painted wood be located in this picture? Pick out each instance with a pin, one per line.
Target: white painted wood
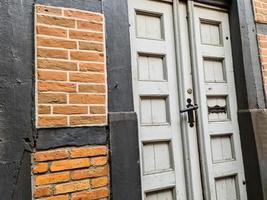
(156, 98)
(222, 151)
(148, 25)
(226, 188)
(160, 195)
(221, 147)
(213, 70)
(210, 33)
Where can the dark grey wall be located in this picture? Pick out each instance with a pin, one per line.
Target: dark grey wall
(249, 87)
(16, 98)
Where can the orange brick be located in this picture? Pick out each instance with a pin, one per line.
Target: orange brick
(87, 78)
(40, 168)
(57, 21)
(99, 161)
(87, 99)
(88, 152)
(69, 164)
(56, 87)
(97, 109)
(52, 98)
(92, 67)
(44, 109)
(91, 46)
(87, 120)
(54, 42)
(42, 192)
(99, 182)
(85, 35)
(89, 173)
(56, 64)
(52, 178)
(91, 195)
(70, 110)
(90, 25)
(48, 10)
(51, 31)
(52, 75)
(87, 56)
(51, 155)
(52, 53)
(59, 197)
(92, 88)
(52, 121)
(83, 15)
(72, 187)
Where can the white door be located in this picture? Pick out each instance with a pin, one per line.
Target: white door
(170, 150)
(220, 131)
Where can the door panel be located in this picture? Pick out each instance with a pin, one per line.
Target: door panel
(218, 105)
(156, 99)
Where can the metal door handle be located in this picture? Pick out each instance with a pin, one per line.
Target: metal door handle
(189, 109)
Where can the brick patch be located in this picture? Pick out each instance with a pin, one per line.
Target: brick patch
(260, 10)
(71, 173)
(70, 68)
(262, 40)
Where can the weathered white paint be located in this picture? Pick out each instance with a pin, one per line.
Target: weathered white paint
(156, 99)
(220, 132)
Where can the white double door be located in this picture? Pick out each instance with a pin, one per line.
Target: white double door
(179, 161)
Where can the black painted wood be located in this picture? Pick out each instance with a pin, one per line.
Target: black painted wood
(124, 153)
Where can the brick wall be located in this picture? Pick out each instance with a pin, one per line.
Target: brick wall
(70, 68)
(260, 13)
(71, 174)
(262, 40)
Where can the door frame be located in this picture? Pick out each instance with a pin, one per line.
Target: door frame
(247, 76)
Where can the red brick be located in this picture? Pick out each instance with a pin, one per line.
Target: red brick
(52, 98)
(51, 31)
(83, 15)
(97, 109)
(42, 192)
(85, 35)
(51, 155)
(59, 197)
(99, 182)
(99, 161)
(52, 178)
(44, 109)
(87, 78)
(52, 75)
(52, 53)
(55, 42)
(72, 187)
(87, 56)
(48, 10)
(56, 87)
(40, 168)
(91, 195)
(52, 121)
(56, 64)
(70, 110)
(89, 173)
(87, 99)
(91, 46)
(92, 67)
(69, 164)
(88, 151)
(88, 120)
(56, 21)
(92, 88)
(90, 25)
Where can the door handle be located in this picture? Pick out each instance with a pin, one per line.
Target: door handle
(190, 112)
